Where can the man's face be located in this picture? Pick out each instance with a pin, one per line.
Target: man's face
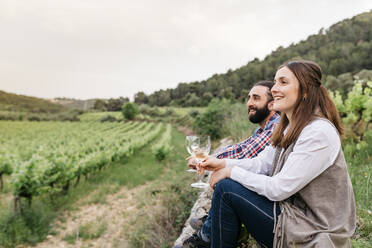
(258, 104)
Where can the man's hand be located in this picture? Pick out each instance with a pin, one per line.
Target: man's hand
(192, 162)
(218, 175)
(212, 163)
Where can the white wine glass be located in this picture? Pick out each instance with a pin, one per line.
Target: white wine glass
(192, 143)
(200, 153)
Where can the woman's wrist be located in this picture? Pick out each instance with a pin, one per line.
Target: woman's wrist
(223, 164)
(228, 172)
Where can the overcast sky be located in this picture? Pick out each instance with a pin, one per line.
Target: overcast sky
(100, 49)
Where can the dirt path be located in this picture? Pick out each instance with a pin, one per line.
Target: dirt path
(114, 216)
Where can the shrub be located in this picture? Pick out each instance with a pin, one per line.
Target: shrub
(70, 116)
(356, 109)
(33, 118)
(129, 110)
(160, 153)
(169, 112)
(108, 118)
(154, 112)
(30, 227)
(194, 113)
(211, 122)
(144, 109)
(4, 117)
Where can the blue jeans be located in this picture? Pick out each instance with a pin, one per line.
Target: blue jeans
(207, 226)
(232, 205)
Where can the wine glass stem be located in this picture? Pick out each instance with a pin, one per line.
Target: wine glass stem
(199, 178)
(199, 175)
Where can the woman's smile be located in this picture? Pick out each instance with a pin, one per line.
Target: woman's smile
(285, 91)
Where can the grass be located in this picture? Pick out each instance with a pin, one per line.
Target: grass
(31, 227)
(359, 160)
(166, 206)
(89, 230)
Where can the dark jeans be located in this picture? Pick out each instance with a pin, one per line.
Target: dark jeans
(207, 226)
(232, 205)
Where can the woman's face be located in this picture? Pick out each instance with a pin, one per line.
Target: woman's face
(285, 91)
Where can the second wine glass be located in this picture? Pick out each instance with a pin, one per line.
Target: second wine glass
(200, 154)
(192, 143)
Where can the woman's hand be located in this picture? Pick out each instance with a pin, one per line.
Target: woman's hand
(212, 163)
(218, 175)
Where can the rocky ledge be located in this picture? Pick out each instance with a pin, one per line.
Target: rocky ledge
(201, 206)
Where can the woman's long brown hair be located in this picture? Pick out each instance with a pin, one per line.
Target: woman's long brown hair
(313, 101)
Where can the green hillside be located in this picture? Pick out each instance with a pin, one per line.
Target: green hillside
(345, 47)
(20, 103)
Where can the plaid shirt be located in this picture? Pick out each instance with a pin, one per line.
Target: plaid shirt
(255, 144)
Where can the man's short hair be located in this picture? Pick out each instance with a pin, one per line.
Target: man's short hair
(269, 85)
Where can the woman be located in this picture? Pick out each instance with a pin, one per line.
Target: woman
(297, 193)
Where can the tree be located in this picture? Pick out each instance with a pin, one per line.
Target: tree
(226, 93)
(160, 98)
(192, 100)
(344, 48)
(207, 97)
(141, 98)
(116, 104)
(129, 110)
(244, 95)
(100, 105)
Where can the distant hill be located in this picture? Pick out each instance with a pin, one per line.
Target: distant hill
(345, 47)
(20, 103)
(75, 103)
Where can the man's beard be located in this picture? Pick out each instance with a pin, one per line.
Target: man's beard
(260, 115)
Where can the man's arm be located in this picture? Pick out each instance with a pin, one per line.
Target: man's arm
(249, 148)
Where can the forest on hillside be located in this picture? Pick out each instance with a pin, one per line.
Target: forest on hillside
(343, 51)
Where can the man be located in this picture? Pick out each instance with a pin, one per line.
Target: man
(260, 111)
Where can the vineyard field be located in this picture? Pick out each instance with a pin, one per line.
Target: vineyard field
(47, 157)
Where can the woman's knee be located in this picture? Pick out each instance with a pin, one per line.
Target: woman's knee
(228, 185)
(225, 185)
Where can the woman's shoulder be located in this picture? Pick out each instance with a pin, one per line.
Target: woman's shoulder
(322, 124)
(321, 128)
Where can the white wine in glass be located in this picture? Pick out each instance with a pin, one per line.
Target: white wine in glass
(192, 143)
(200, 154)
